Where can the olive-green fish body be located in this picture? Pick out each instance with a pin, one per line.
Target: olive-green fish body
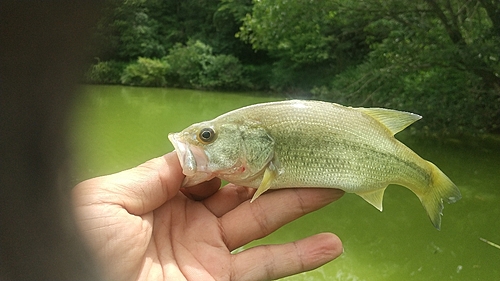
(312, 144)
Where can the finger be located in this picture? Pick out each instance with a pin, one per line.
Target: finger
(271, 262)
(139, 190)
(228, 198)
(202, 190)
(251, 221)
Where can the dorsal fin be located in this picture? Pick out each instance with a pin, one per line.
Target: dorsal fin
(394, 120)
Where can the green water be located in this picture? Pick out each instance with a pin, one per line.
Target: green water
(114, 128)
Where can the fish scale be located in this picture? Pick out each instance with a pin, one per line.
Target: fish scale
(298, 143)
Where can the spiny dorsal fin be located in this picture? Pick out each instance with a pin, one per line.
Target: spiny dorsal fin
(394, 120)
(374, 197)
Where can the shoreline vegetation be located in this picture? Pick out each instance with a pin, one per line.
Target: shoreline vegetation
(436, 58)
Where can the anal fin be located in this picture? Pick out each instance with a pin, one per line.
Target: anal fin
(374, 197)
(269, 175)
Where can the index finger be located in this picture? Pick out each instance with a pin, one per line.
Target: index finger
(251, 221)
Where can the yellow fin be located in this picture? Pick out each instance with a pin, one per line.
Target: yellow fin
(269, 175)
(441, 188)
(394, 120)
(374, 197)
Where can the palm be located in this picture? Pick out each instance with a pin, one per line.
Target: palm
(141, 227)
(196, 241)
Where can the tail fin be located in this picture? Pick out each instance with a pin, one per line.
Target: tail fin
(441, 187)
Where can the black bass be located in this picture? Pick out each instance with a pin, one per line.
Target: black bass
(312, 144)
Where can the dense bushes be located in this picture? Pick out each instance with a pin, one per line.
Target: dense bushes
(105, 72)
(222, 72)
(187, 66)
(186, 63)
(436, 58)
(145, 72)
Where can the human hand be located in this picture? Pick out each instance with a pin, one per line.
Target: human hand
(141, 225)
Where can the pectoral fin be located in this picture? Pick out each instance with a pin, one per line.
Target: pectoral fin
(374, 197)
(269, 175)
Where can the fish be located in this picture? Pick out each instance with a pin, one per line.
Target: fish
(309, 143)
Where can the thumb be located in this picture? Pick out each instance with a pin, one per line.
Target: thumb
(139, 190)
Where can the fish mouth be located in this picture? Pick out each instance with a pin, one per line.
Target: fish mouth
(193, 160)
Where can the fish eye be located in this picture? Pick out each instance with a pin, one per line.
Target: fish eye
(206, 135)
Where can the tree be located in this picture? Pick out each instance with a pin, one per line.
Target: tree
(415, 55)
(128, 31)
(285, 30)
(309, 40)
(425, 56)
(148, 28)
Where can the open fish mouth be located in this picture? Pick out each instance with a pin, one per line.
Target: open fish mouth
(193, 160)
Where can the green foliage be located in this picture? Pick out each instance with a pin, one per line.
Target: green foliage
(283, 28)
(148, 28)
(222, 72)
(420, 62)
(129, 31)
(258, 76)
(445, 97)
(104, 72)
(145, 72)
(227, 20)
(195, 66)
(420, 56)
(309, 40)
(186, 63)
(139, 36)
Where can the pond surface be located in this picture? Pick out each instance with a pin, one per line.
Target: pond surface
(114, 128)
